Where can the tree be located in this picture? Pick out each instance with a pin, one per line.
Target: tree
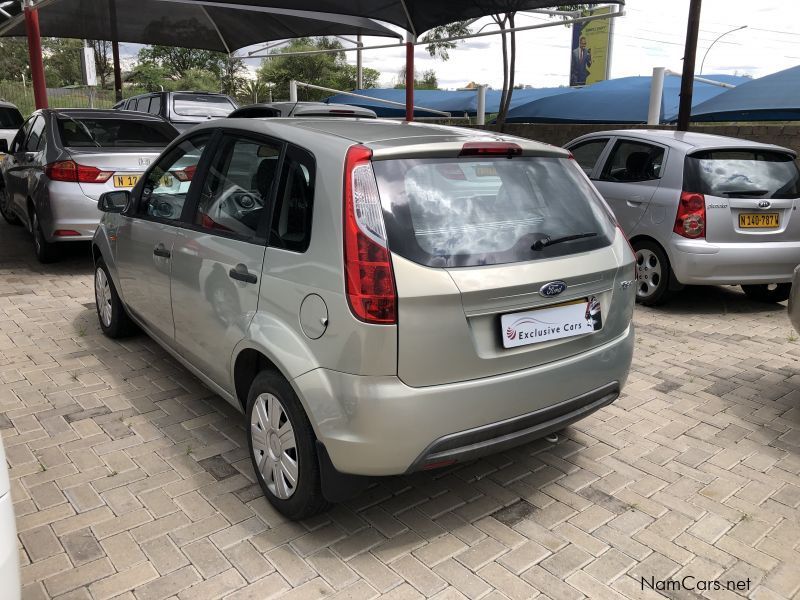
(328, 70)
(14, 60)
(62, 64)
(438, 48)
(427, 81)
(231, 75)
(149, 76)
(253, 91)
(102, 60)
(176, 62)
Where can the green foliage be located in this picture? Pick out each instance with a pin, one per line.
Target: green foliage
(177, 62)
(103, 62)
(62, 61)
(252, 91)
(231, 75)
(436, 47)
(14, 59)
(195, 79)
(427, 81)
(327, 70)
(149, 76)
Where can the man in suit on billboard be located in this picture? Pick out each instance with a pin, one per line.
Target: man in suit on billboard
(581, 62)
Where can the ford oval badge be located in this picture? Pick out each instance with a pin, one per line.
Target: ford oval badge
(764, 204)
(554, 288)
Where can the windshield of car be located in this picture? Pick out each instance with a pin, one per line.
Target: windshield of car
(201, 105)
(742, 173)
(10, 118)
(114, 132)
(457, 212)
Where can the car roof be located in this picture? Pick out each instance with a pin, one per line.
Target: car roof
(686, 140)
(378, 134)
(6, 104)
(104, 113)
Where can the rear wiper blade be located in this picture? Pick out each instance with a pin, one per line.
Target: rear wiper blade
(750, 192)
(546, 241)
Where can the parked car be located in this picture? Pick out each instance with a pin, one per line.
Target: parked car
(9, 555)
(301, 109)
(182, 109)
(794, 301)
(60, 162)
(699, 209)
(10, 121)
(458, 295)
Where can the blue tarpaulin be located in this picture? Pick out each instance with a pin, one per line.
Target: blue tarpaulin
(774, 97)
(623, 100)
(457, 103)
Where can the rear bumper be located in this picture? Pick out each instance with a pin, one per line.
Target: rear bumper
(9, 556)
(70, 210)
(381, 426)
(697, 262)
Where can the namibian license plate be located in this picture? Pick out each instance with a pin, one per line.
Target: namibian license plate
(759, 220)
(552, 323)
(126, 180)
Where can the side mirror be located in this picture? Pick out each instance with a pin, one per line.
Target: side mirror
(3, 146)
(114, 202)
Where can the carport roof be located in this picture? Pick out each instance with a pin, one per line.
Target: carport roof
(221, 26)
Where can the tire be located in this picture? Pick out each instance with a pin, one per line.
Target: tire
(774, 292)
(5, 208)
(272, 402)
(114, 321)
(45, 251)
(654, 274)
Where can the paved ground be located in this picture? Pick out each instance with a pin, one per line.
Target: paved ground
(130, 478)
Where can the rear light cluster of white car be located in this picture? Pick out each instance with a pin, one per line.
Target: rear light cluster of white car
(369, 279)
(69, 170)
(690, 222)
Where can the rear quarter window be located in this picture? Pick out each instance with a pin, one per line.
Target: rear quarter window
(10, 118)
(742, 173)
(467, 212)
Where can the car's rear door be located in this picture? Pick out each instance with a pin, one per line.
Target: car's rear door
(472, 268)
(218, 254)
(588, 153)
(146, 234)
(751, 194)
(629, 177)
(16, 167)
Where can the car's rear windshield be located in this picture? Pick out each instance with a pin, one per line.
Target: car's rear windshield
(110, 133)
(10, 118)
(460, 212)
(742, 173)
(201, 105)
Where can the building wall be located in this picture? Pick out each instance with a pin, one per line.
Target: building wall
(558, 134)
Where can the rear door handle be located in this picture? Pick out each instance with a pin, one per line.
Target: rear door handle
(240, 273)
(161, 251)
(635, 201)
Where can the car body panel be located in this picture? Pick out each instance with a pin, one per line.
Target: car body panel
(9, 555)
(728, 255)
(348, 379)
(301, 109)
(794, 301)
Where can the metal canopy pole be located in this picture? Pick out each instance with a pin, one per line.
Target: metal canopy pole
(35, 54)
(689, 60)
(112, 11)
(409, 81)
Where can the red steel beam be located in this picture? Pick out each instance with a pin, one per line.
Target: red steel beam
(35, 56)
(409, 81)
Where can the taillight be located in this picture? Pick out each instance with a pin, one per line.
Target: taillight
(690, 222)
(69, 170)
(369, 280)
(625, 237)
(491, 149)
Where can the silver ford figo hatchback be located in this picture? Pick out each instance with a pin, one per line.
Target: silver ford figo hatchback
(378, 298)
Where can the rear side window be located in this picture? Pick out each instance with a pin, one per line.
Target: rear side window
(155, 105)
(443, 212)
(746, 173)
(35, 139)
(106, 133)
(588, 153)
(294, 206)
(10, 118)
(201, 105)
(633, 161)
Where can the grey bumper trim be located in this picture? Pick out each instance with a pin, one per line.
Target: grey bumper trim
(495, 437)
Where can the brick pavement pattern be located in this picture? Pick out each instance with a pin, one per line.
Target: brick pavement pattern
(131, 480)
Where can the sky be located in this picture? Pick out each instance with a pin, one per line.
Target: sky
(651, 34)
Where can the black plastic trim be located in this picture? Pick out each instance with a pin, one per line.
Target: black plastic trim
(338, 486)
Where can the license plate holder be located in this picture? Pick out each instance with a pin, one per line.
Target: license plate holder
(126, 181)
(582, 317)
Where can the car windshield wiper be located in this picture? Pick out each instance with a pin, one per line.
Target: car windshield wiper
(546, 241)
(83, 126)
(750, 192)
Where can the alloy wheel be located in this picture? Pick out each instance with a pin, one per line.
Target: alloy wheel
(648, 272)
(274, 445)
(102, 295)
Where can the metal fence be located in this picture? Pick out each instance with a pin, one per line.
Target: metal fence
(21, 94)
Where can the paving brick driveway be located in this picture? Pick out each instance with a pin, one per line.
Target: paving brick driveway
(131, 479)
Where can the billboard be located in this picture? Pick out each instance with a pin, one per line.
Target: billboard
(591, 49)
